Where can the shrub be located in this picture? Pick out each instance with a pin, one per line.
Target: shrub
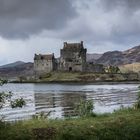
(44, 133)
(41, 115)
(84, 108)
(2, 82)
(137, 104)
(6, 97)
(17, 103)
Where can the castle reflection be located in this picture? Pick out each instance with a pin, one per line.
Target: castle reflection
(60, 105)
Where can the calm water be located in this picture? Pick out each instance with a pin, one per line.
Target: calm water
(60, 98)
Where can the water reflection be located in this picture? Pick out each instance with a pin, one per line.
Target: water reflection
(61, 98)
(60, 105)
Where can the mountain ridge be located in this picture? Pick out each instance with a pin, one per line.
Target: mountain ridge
(12, 64)
(120, 57)
(24, 69)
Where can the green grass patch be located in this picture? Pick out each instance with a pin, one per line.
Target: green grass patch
(85, 77)
(120, 125)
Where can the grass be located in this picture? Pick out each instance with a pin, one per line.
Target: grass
(59, 76)
(62, 77)
(134, 67)
(86, 77)
(120, 125)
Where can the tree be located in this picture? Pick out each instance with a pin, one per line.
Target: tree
(112, 69)
(7, 97)
(84, 108)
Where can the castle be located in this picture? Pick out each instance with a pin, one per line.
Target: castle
(72, 59)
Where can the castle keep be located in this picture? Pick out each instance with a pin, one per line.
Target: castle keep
(72, 58)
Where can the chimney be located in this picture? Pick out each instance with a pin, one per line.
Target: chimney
(65, 44)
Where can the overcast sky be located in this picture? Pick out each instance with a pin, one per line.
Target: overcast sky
(41, 26)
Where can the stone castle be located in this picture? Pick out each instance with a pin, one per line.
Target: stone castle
(72, 59)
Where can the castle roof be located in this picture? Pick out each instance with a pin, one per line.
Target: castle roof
(46, 56)
(73, 45)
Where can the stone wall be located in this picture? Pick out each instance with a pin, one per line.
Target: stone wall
(97, 68)
(41, 66)
(72, 58)
(44, 64)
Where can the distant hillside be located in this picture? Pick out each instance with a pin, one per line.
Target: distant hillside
(16, 70)
(12, 64)
(93, 57)
(135, 67)
(120, 58)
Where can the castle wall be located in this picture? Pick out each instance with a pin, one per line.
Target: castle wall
(43, 65)
(97, 68)
(72, 58)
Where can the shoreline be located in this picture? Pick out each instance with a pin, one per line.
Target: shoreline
(95, 78)
(77, 82)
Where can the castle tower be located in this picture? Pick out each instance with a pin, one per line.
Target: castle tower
(44, 63)
(73, 57)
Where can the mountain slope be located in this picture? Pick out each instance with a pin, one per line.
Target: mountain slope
(120, 58)
(12, 64)
(24, 69)
(134, 67)
(93, 57)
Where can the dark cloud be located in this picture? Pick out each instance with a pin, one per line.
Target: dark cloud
(130, 5)
(126, 14)
(115, 21)
(102, 24)
(22, 18)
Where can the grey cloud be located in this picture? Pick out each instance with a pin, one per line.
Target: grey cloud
(115, 21)
(129, 6)
(22, 18)
(102, 24)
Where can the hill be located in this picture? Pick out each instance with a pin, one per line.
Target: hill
(120, 57)
(92, 57)
(134, 67)
(13, 64)
(16, 69)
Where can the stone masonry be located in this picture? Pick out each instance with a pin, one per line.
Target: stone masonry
(44, 63)
(72, 59)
